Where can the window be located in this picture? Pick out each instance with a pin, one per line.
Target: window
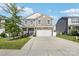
(69, 27)
(31, 22)
(48, 21)
(74, 20)
(25, 21)
(39, 21)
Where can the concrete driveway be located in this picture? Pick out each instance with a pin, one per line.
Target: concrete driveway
(52, 46)
(45, 46)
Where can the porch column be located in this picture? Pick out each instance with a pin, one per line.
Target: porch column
(52, 31)
(27, 30)
(34, 31)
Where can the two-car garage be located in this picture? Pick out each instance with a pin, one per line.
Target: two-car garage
(43, 32)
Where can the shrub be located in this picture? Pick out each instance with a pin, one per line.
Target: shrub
(3, 35)
(74, 33)
(23, 36)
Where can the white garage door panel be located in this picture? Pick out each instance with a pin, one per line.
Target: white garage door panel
(44, 33)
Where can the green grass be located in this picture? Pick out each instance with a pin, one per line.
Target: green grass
(13, 44)
(68, 37)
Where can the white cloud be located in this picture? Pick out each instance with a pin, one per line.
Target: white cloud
(28, 10)
(18, 7)
(71, 12)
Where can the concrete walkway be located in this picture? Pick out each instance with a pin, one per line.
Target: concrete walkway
(45, 46)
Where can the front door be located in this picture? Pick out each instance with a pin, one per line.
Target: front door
(30, 31)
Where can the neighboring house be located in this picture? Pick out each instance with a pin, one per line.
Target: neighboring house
(2, 29)
(39, 25)
(66, 24)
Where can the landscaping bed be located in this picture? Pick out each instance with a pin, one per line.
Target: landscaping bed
(5, 43)
(68, 37)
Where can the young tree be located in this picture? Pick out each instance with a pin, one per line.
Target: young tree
(11, 26)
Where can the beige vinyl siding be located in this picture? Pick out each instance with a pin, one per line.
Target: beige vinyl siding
(44, 21)
(30, 23)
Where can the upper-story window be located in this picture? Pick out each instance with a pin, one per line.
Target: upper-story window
(25, 21)
(31, 22)
(74, 20)
(38, 21)
(48, 21)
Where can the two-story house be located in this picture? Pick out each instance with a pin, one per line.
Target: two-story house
(66, 24)
(39, 25)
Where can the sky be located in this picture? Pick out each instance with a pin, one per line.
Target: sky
(55, 10)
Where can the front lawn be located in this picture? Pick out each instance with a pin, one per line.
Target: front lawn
(13, 44)
(68, 37)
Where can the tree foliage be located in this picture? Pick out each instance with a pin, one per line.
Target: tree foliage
(12, 22)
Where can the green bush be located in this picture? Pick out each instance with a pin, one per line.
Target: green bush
(74, 33)
(23, 36)
(3, 35)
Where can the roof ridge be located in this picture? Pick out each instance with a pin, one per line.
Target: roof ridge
(36, 15)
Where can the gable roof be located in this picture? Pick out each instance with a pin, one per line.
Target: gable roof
(36, 15)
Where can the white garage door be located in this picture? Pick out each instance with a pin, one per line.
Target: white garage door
(44, 33)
